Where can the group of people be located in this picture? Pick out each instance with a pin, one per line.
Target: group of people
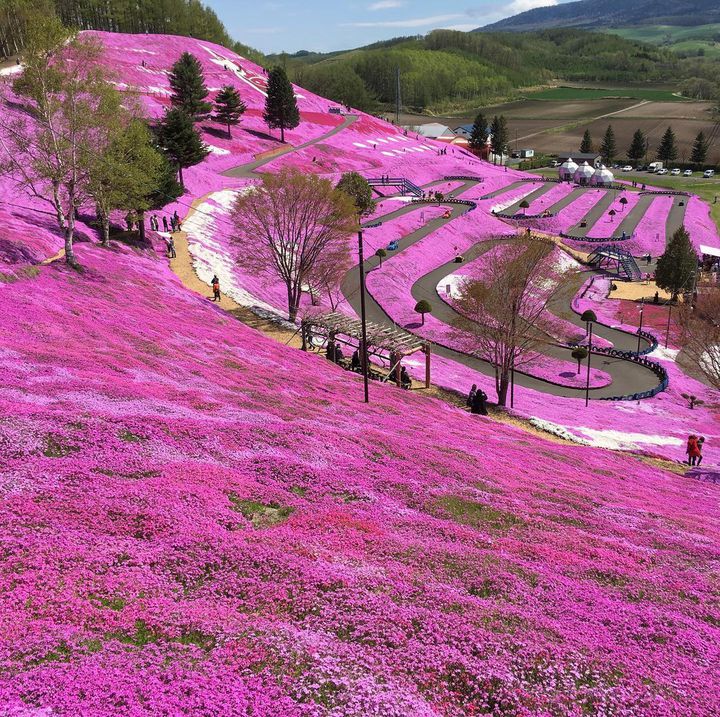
(477, 401)
(694, 449)
(334, 353)
(174, 225)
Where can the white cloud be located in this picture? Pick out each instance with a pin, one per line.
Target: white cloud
(518, 6)
(387, 4)
(433, 21)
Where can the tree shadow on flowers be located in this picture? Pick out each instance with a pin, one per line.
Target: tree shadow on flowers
(413, 325)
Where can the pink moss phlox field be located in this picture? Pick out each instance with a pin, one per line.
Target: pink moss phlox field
(608, 226)
(196, 520)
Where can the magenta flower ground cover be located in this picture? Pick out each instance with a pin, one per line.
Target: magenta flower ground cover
(608, 226)
(554, 195)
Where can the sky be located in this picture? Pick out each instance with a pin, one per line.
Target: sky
(326, 25)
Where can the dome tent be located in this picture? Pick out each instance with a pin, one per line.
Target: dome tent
(583, 174)
(602, 177)
(567, 169)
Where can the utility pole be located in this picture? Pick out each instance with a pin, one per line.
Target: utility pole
(397, 95)
(363, 317)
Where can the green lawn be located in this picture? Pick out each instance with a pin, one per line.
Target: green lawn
(568, 94)
(676, 37)
(706, 189)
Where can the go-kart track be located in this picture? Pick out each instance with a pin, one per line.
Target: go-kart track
(484, 213)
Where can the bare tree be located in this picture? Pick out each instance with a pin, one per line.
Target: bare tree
(503, 314)
(50, 148)
(700, 334)
(294, 227)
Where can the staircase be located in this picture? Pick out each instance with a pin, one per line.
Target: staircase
(404, 185)
(625, 263)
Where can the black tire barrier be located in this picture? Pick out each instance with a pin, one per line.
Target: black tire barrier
(667, 192)
(464, 178)
(594, 240)
(518, 217)
(463, 202)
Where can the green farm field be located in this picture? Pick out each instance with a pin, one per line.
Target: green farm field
(574, 94)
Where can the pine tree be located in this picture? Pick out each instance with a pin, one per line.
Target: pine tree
(700, 149)
(499, 135)
(608, 148)
(638, 147)
(188, 86)
(181, 141)
(480, 132)
(229, 108)
(281, 110)
(586, 146)
(675, 268)
(667, 151)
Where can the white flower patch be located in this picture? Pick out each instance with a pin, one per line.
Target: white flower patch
(502, 206)
(217, 150)
(388, 154)
(393, 139)
(625, 440)
(450, 286)
(361, 145)
(557, 430)
(664, 354)
(12, 70)
(384, 141)
(159, 90)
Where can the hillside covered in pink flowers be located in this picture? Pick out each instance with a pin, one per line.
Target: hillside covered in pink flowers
(198, 520)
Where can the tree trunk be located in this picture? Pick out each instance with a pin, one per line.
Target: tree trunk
(502, 390)
(141, 225)
(422, 322)
(105, 224)
(229, 131)
(579, 360)
(69, 237)
(292, 303)
(180, 177)
(282, 133)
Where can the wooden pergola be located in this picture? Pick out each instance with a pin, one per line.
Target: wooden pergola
(389, 340)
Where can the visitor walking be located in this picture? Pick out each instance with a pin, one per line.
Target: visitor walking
(478, 405)
(692, 450)
(701, 445)
(216, 288)
(165, 224)
(171, 248)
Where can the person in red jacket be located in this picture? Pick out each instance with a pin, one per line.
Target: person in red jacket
(693, 450)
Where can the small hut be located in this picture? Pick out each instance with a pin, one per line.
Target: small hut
(602, 177)
(583, 174)
(567, 170)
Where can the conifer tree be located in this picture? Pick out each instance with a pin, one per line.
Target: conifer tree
(500, 135)
(638, 147)
(281, 110)
(229, 108)
(480, 132)
(586, 146)
(608, 148)
(181, 141)
(700, 149)
(667, 151)
(675, 268)
(188, 86)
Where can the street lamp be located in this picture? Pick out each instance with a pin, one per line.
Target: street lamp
(363, 317)
(589, 318)
(642, 308)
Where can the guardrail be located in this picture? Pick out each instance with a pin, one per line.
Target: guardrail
(464, 178)
(667, 192)
(429, 200)
(596, 240)
(518, 217)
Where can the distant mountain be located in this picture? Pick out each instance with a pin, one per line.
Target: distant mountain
(589, 14)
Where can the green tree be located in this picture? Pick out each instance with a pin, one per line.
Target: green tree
(524, 205)
(700, 149)
(480, 132)
(181, 141)
(188, 87)
(167, 188)
(356, 187)
(423, 307)
(281, 110)
(50, 150)
(229, 107)
(638, 147)
(579, 354)
(500, 135)
(586, 146)
(126, 174)
(381, 254)
(677, 266)
(667, 151)
(338, 81)
(608, 148)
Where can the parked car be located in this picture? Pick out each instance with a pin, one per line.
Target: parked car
(675, 172)
(709, 173)
(662, 171)
(627, 168)
(687, 173)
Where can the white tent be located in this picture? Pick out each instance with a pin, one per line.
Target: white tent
(583, 174)
(567, 169)
(602, 177)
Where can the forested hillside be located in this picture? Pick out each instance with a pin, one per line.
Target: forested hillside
(608, 13)
(190, 18)
(448, 70)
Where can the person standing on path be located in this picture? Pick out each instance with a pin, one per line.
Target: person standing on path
(165, 224)
(700, 445)
(216, 288)
(171, 248)
(692, 450)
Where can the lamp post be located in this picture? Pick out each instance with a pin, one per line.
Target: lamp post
(363, 317)
(642, 308)
(589, 318)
